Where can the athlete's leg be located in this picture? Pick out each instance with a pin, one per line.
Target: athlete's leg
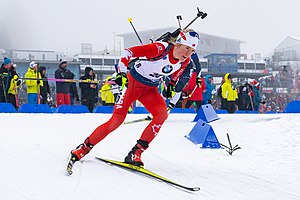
(156, 105)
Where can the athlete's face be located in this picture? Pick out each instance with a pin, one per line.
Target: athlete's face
(182, 52)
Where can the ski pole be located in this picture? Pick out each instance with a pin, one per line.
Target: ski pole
(199, 14)
(130, 21)
(179, 18)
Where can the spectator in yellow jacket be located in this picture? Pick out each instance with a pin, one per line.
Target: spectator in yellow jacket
(33, 83)
(12, 94)
(229, 94)
(107, 96)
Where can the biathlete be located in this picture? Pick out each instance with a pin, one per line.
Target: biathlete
(141, 83)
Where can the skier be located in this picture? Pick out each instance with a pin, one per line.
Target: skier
(141, 83)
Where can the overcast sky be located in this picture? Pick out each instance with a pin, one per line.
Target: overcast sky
(62, 25)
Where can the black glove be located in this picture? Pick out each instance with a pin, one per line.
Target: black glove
(121, 79)
(170, 89)
(198, 81)
(38, 82)
(19, 82)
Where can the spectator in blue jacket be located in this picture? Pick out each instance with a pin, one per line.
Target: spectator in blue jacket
(207, 95)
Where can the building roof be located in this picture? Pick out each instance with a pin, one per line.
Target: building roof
(288, 42)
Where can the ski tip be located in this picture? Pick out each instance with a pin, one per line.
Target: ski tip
(196, 189)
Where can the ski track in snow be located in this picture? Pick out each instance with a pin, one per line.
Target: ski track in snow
(34, 150)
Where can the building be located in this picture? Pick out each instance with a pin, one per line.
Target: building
(287, 50)
(208, 44)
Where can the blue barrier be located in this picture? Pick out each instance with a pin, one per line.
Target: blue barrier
(140, 110)
(203, 134)
(7, 108)
(180, 110)
(104, 109)
(35, 108)
(221, 112)
(246, 112)
(293, 107)
(72, 109)
(206, 113)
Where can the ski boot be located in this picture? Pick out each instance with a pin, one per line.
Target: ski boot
(79, 153)
(134, 156)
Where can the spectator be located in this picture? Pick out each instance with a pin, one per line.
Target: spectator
(33, 83)
(257, 96)
(5, 78)
(12, 96)
(44, 89)
(62, 87)
(229, 94)
(89, 92)
(207, 95)
(107, 96)
(194, 89)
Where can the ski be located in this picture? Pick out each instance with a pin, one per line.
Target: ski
(148, 118)
(142, 170)
(70, 165)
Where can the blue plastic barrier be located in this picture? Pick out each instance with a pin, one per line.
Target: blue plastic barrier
(72, 109)
(293, 107)
(203, 134)
(104, 109)
(7, 108)
(180, 110)
(35, 108)
(221, 112)
(140, 110)
(206, 113)
(246, 112)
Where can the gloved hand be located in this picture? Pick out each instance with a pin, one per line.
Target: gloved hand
(170, 89)
(18, 82)
(198, 81)
(121, 79)
(38, 82)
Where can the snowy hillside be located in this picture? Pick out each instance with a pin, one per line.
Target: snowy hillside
(34, 149)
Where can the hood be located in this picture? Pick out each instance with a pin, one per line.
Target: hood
(226, 77)
(40, 69)
(207, 77)
(87, 71)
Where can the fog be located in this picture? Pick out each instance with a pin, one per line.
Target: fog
(64, 25)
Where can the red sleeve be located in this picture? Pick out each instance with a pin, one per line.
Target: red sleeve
(149, 50)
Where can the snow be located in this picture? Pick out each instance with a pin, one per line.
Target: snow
(34, 149)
